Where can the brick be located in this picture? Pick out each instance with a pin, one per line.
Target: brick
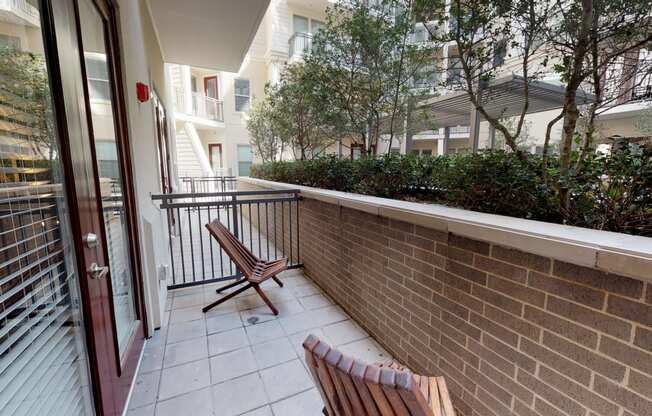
(507, 382)
(556, 361)
(561, 326)
(492, 358)
(522, 410)
(480, 379)
(420, 266)
(453, 280)
(546, 409)
(464, 243)
(401, 225)
(494, 329)
(624, 397)
(520, 292)
(466, 272)
(521, 360)
(564, 289)
(401, 247)
(643, 338)
(587, 358)
(420, 242)
(634, 311)
(463, 298)
(640, 383)
(431, 234)
(630, 356)
(501, 269)
(463, 354)
(488, 400)
(566, 404)
(429, 257)
(452, 307)
(453, 253)
(601, 280)
(461, 325)
(578, 392)
(648, 293)
(512, 322)
(497, 299)
(521, 258)
(589, 317)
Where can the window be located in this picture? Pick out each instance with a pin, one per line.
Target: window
(316, 26)
(395, 151)
(426, 152)
(356, 151)
(98, 76)
(245, 157)
(242, 94)
(10, 42)
(300, 24)
(215, 155)
(193, 83)
(426, 77)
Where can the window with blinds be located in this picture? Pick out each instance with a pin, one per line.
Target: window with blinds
(43, 364)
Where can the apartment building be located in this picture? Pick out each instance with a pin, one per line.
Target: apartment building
(628, 102)
(211, 107)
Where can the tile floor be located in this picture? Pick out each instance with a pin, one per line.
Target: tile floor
(239, 359)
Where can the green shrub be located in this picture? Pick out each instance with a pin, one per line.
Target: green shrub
(609, 192)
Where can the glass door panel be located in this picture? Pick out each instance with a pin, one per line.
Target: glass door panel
(109, 169)
(43, 361)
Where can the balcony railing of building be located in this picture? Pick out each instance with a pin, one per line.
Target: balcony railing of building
(266, 222)
(201, 105)
(205, 184)
(299, 44)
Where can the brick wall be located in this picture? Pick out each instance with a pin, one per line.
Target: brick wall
(514, 333)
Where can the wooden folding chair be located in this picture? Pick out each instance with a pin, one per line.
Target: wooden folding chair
(254, 270)
(350, 387)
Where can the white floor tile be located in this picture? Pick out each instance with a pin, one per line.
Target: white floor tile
(303, 404)
(226, 341)
(264, 332)
(184, 378)
(232, 364)
(186, 314)
(285, 380)
(185, 352)
(221, 323)
(145, 389)
(274, 352)
(196, 403)
(262, 411)
(152, 359)
(239, 395)
(315, 301)
(186, 330)
(344, 332)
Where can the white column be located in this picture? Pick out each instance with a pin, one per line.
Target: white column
(187, 89)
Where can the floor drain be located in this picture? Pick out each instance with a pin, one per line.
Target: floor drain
(253, 320)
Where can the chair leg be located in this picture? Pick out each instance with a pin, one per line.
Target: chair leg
(324, 411)
(266, 299)
(277, 280)
(230, 285)
(227, 297)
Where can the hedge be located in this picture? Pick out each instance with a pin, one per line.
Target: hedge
(610, 192)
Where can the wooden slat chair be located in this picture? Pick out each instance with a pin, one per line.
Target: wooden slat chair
(254, 270)
(350, 387)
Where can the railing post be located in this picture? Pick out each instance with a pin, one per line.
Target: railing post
(235, 216)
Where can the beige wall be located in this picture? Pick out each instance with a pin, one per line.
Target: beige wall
(143, 62)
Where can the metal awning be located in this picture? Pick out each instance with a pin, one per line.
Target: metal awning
(502, 98)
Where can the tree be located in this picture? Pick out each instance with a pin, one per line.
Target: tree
(306, 120)
(365, 61)
(588, 36)
(485, 33)
(264, 129)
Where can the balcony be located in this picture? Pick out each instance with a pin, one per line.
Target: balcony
(299, 45)
(200, 105)
(19, 11)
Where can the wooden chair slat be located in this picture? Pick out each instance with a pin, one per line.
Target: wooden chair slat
(388, 384)
(332, 359)
(409, 390)
(435, 402)
(372, 380)
(445, 397)
(344, 371)
(357, 374)
(312, 366)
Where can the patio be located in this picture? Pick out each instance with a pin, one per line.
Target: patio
(239, 359)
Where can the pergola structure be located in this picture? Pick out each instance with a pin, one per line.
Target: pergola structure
(501, 98)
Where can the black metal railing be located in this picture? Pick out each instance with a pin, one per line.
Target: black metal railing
(206, 184)
(267, 222)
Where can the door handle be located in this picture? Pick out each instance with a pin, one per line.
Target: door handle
(98, 272)
(90, 239)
